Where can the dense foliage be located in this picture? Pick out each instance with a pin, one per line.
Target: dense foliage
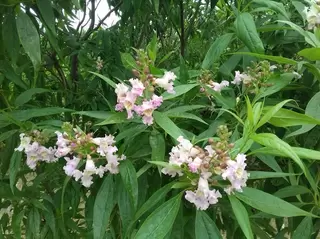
(185, 119)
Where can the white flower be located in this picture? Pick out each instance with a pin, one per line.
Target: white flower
(195, 165)
(121, 91)
(296, 75)
(273, 67)
(312, 14)
(90, 167)
(71, 165)
(86, 179)
(166, 81)
(219, 86)
(77, 174)
(236, 173)
(203, 197)
(100, 171)
(105, 145)
(24, 142)
(113, 164)
(237, 78)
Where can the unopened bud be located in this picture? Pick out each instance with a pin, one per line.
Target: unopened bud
(136, 73)
(210, 141)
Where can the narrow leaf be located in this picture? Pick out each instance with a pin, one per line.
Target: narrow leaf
(205, 227)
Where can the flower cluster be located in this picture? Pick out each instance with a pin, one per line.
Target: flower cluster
(98, 155)
(312, 14)
(36, 152)
(90, 151)
(258, 76)
(99, 64)
(140, 98)
(199, 164)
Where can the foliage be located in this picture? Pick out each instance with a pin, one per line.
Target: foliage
(185, 119)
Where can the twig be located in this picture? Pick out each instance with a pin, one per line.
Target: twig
(84, 15)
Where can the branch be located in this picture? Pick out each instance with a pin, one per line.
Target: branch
(84, 15)
(89, 32)
(92, 17)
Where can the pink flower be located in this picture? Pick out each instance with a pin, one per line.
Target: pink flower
(147, 108)
(156, 100)
(137, 87)
(148, 120)
(195, 165)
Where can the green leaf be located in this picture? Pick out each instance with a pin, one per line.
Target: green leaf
(247, 32)
(95, 114)
(185, 108)
(106, 79)
(285, 118)
(216, 49)
(226, 102)
(29, 38)
(272, 141)
(309, 37)
(265, 158)
(128, 61)
(16, 223)
(270, 113)
(304, 229)
(313, 110)
(180, 90)
(261, 174)
(278, 83)
(275, 6)
(152, 48)
(34, 222)
(27, 95)
(160, 222)
(158, 146)
(299, 6)
(312, 54)
(15, 162)
(291, 191)
(301, 152)
(126, 209)
(114, 118)
(10, 37)
(242, 216)
(102, 208)
(4, 136)
(268, 203)
(278, 59)
(165, 123)
(131, 132)
(205, 227)
(47, 14)
(185, 116)
(129, 179)
(153, 200)
(184, 75)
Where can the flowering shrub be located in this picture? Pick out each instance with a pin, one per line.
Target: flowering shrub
(150, 144)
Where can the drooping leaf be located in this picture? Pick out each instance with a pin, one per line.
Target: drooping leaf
(313, 110)
(47, 14)
(10, 37)
(15, 162)
(29, 38)
(106, 79)
(275, 6)
(216, 49)
(261, 174)
(186, 116)
(129, 179)
(247, 32)
(16, 223)
(278, 59)
(158, 146)
(268, 203)
(165, 123)
(304, 229)
(160, 222)
(242, 216)
(102, 208)
(291, 191)
(27, 95)
(114, 118)
(312, 54)
(205, 227)
(179, 90)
